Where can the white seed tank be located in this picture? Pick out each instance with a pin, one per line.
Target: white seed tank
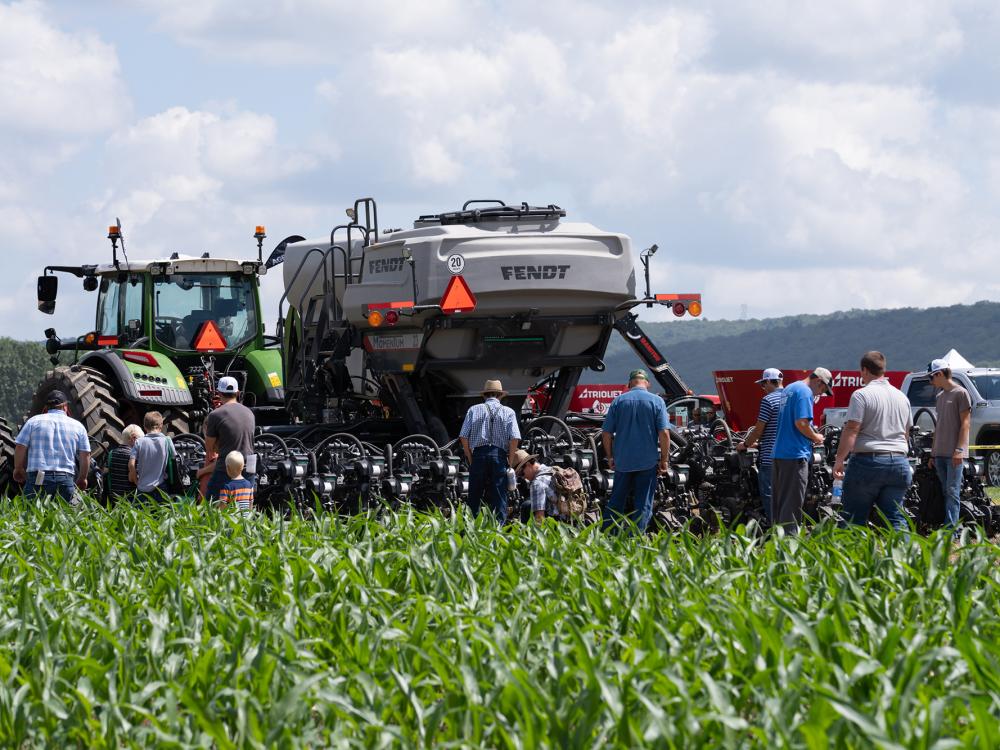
(545, 293)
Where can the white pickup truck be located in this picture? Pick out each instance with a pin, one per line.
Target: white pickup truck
(983, 385)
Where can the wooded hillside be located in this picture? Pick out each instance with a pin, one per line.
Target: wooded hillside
(909, 337)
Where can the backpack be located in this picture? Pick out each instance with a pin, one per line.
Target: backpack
(571, 498)
(175, 473)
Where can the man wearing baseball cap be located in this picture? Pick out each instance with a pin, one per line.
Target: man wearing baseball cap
(228, 428)
(50, 449)
(765, 432)
(636, 424)
(793, 445)
(951, 436)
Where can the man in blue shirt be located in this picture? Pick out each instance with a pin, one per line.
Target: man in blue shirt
(636, 422)
(765, 431)
(489, 439)
(793, 447)
(50, 449)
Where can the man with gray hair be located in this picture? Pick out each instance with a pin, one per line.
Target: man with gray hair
(118, 482)
(489, 437)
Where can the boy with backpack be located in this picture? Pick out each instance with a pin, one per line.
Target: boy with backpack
(148, 467)
(554, 491)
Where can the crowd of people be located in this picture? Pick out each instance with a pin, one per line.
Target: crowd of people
(52, 451)
(52, 455)
(872, 457)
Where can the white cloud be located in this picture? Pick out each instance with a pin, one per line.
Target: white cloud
(53, 81)
(808, 153)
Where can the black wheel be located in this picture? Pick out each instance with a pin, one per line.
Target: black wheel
(90, 401)
(176, 422)
(993, 468)
(7, 436)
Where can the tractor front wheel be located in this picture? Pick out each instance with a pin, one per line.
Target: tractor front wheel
(7, 435)
(90, 401)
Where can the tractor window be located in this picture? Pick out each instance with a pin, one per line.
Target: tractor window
(107, 307)
(184, 303)
(119, 308)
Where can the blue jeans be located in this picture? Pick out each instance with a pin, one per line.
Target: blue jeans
(488, 475)
(56, 484)
(640, 485)
(951, 488)
(764, 485)
(879, 480)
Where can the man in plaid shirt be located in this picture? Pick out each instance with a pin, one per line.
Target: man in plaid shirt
(489, 438)
(50, 449)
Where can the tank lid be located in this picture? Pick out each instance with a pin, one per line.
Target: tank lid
(493, 210)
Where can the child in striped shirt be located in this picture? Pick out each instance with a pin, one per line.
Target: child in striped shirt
(238, 489)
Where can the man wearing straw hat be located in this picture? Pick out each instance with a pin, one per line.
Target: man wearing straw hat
(489, 438)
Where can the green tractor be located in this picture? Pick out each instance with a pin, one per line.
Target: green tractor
(165, 331)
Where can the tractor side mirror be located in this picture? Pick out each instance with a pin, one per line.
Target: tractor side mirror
(90, 283)
(47, 288)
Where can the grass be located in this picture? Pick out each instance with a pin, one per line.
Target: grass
(994, 493)
(190, 627)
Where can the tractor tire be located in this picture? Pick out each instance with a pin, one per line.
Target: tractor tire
(90, 402)
(176, 422)
(7, 435)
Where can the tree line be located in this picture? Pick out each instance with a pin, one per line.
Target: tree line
(909, 337)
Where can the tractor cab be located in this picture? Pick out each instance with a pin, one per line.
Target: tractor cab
(181, 306)
(164, 332)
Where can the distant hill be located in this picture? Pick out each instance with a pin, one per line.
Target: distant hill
(909, 337)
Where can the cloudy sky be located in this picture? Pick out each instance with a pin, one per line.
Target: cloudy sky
(788, 156)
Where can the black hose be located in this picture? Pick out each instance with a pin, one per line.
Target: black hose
(417, 436)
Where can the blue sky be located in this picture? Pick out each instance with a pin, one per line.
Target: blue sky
(787, 156)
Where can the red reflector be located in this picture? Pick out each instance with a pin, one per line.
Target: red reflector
(679, 309)
(107, 341)
(141, 358)
(156, 392)
(392, 317)
(457, 297)
(209, 338)
(390, 305)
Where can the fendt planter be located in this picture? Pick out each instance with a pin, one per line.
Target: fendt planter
(414, 321)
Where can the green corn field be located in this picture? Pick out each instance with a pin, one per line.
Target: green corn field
(190, 627)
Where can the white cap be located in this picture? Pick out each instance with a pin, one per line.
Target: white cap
(771, 373)
(937, 365)
(228, 384)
